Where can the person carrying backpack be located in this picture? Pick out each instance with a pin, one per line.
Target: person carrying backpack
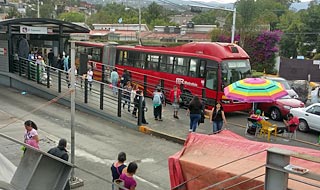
(118, 167)
(157, 104)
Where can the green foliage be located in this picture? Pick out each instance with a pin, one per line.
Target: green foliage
(72, 17)
(13, 13)
(207, 17)
(256, 74)
(310, 20)
(316, 57)
(153, 15)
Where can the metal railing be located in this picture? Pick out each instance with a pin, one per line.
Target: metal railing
(99, 94)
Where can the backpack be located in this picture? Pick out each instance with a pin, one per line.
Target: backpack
(156, 99)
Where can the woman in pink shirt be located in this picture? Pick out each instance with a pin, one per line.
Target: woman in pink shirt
(127, 177)
(31, 135)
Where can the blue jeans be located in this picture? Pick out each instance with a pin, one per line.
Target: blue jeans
(114, 87)
(217, 126)
(194, 118)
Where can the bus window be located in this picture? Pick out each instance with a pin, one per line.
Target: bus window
(96, 54)
(124, 57)
(153, 62)
(211, 79)
(202, 68)
(163, 63)
(193, 68)
(140, 62)
(132, 58)
(170, 61)
(234, 70)
(180, 66)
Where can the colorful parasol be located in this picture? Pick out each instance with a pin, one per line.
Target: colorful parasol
(255, 90)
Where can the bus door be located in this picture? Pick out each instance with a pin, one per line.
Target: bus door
(109, 55)
(108, 60)
(211, 84)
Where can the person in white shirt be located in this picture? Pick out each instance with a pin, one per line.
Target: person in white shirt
(90, 77)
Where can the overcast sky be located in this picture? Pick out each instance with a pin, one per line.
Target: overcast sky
(230, 1)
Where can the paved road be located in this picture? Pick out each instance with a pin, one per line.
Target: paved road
(97, 141)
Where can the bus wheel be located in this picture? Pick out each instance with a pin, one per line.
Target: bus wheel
(186, 97)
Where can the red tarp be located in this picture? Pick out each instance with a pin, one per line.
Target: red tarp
(202, 153)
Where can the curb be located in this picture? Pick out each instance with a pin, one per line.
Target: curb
(147, 130)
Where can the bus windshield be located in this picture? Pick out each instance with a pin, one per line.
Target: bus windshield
(234, 70)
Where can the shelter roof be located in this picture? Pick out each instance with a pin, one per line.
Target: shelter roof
(53, 24)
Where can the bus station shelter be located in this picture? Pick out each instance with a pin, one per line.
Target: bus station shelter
(40, 34)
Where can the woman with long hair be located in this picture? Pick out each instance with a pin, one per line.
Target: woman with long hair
(31, 135)
(217, 117)
(194, 110)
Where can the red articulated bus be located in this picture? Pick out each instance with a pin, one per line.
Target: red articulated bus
(200, 67)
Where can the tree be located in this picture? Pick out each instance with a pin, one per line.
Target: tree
(291, 25)
(13, 13)
(72, 17)
(310, 20)
(263, 49)
(207, 17)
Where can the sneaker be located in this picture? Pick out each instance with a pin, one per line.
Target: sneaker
(177, 117)
(145, 123)
(155, 118)
(190, 130)
(160, 120)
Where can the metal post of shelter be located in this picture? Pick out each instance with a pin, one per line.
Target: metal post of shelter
(72, 101)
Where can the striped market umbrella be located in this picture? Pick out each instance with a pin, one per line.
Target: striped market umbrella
(255, 90)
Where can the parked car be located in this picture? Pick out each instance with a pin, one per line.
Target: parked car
(309, 117)
(286, 85)
(280, 108)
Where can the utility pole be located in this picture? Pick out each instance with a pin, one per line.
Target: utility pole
(139, 32)
(233, 25)
(38, 8)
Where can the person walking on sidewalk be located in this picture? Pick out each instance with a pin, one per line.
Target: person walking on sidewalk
(174, 98)
(61, 152)
(31, 136)
(118, 167)
(217, 117)
(194, 111)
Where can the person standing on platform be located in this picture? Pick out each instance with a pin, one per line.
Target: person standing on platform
(61, 152)
(114, 81)
(157, 104)
(174, 98)
(50, 58)
(66, 63)
(90, 77)
(126, 94)
(124, 78)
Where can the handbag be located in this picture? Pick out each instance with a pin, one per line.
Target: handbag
(202, 117)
